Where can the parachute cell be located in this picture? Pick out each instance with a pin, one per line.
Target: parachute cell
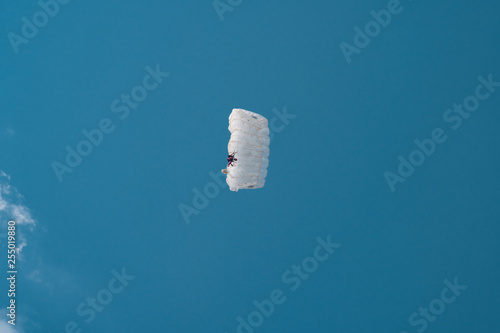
(250, 145)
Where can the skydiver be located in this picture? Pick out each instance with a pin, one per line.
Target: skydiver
(231, 159)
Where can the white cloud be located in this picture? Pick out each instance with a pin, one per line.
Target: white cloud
(12, 208)
(6, 327)
(11, 205)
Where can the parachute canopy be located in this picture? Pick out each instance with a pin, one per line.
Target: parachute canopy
(250, 144)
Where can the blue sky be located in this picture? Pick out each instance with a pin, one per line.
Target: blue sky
(113, 227)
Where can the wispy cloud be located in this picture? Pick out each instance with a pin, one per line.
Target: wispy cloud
(13, 208)
(6, 327)
(7, 132)
(51, 280)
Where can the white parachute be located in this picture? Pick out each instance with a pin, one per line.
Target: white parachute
(249, 144)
